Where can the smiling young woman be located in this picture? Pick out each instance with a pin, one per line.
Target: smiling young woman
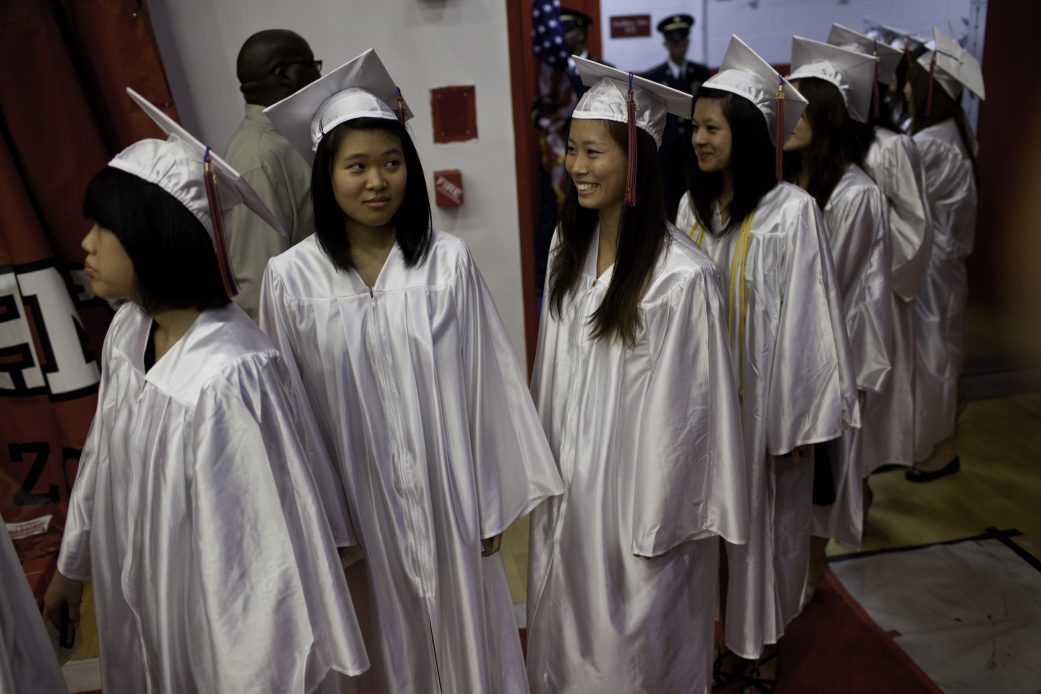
(622, 566)
(416, 387)
(786, 336)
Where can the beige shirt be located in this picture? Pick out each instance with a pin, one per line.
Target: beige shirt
(282, 179)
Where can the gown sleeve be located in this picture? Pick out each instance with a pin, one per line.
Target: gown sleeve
(812, 389)
(274, 609)
(862, 255)
(690, 482)
(74, 557)
(275, 323)
(910, 224)
(514, 468)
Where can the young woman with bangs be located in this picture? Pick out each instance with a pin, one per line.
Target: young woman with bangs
(786, 336)
(203, 511)
(417, 392)
(635, 388)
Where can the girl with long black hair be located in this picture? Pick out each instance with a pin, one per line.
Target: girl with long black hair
(786, 330)
(634, 384)
(824, 157)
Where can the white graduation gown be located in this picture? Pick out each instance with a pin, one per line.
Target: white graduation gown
(798, 388)
(940, 304)
(622, 568)
(856, 222)
(27, 661)
(421, 397)
(197, 517)
(887, 431)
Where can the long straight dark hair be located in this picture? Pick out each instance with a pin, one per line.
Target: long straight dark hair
(642, 236)
(751, 161)
(943, 108)
(411, 222)
(834, 145)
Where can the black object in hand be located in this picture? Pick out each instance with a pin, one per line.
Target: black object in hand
(66, 632)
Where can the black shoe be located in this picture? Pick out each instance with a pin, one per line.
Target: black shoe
(913, 474)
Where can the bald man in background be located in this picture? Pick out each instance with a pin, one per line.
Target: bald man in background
(272, 64)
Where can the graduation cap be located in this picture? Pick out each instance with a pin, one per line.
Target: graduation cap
(952, 67)
(360, 88)
(676, 27)
(888, 57)
(573, 19)
(745, 73)
(627, 98)
(852, 73)
(199, 179)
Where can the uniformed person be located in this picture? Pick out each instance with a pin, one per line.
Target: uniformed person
(679, 73)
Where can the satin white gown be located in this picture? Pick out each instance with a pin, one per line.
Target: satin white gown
(796, 377)
(420, 396)
(197, 513)
(940, 304)
(622, 568)
(888, 430)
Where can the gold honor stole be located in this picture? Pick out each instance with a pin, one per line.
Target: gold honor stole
(740, 255)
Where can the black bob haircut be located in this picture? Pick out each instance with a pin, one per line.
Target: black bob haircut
(412, 221)
(752, 161)
(174, 261)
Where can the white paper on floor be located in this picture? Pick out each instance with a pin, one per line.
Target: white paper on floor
(967, 613)
(82, 675)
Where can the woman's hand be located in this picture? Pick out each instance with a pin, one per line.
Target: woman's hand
(491, 545)
(63, 591)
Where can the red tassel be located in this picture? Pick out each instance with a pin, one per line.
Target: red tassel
(401, 106)
(779, 130)
(630, 178)
(932, 79)
(878, 70)
(220, 246)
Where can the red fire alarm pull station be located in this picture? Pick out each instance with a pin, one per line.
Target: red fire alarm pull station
(448, 188)
(455, 114)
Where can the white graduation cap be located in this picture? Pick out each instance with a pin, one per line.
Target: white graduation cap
(199, 179)
(897, 38)
(360, 88)
(746, 74)
(954, 67)
(852, 73)
(888, 57)
(608, 98)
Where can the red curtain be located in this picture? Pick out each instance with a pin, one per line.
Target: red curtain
(63, 114)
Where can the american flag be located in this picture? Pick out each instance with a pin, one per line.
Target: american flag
(547, 37)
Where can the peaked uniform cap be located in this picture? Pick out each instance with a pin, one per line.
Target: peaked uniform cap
(360, 88)
(955, 67)
(177, 166)
(745, 73)
(608, 98)
(676, 27)
(888, 57)
(573, 19)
